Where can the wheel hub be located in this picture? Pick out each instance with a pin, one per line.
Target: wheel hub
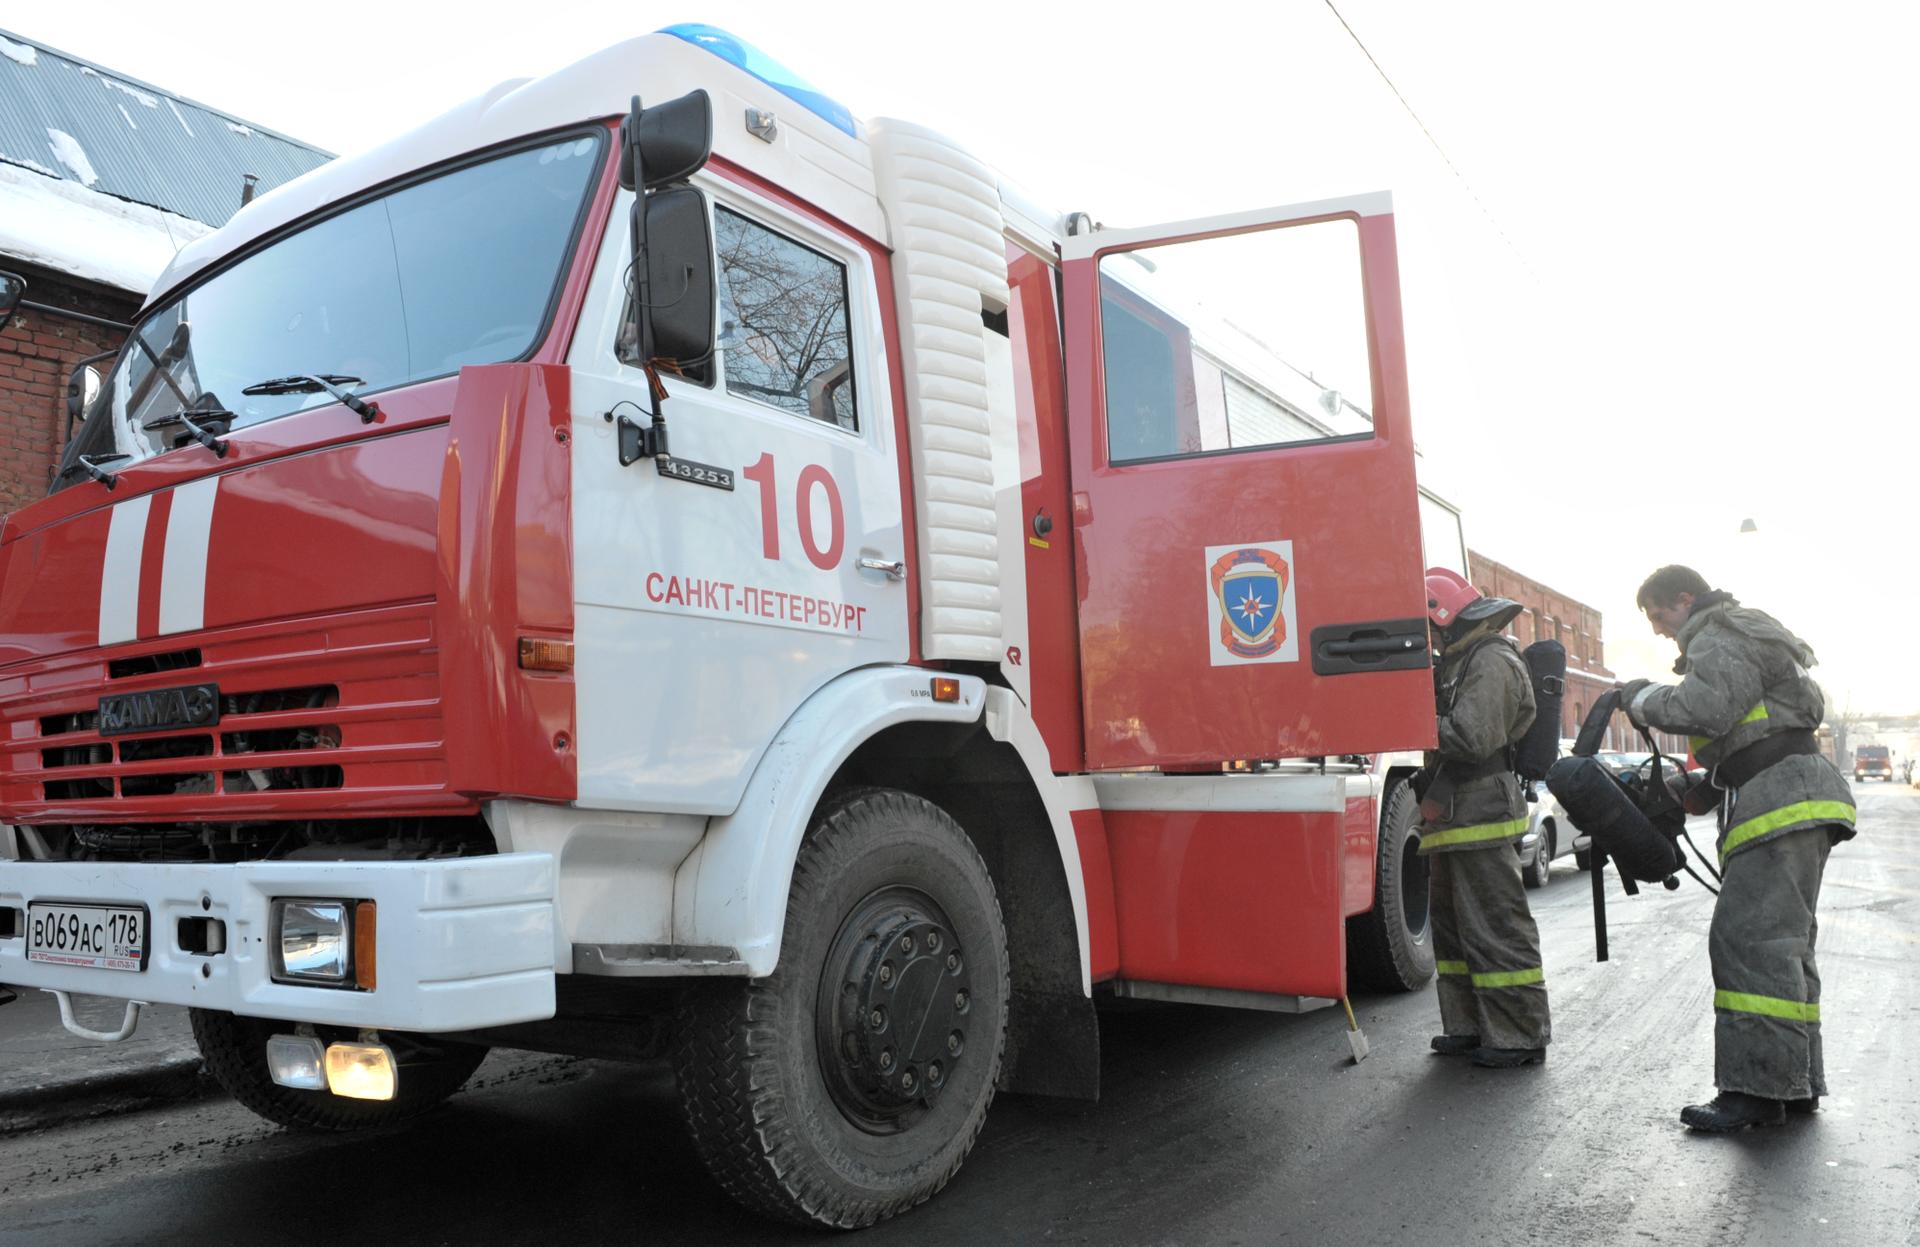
(895, 1027)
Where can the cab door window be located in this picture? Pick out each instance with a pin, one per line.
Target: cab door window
(784, 336)
(1235, 344)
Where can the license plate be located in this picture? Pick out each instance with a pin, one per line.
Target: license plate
(96, 937)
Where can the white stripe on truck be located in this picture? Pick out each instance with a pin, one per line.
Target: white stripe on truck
(120, 571)
(183, 576)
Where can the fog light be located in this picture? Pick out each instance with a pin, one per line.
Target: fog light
(314, 942)
(361, 1071)
(296, 1061)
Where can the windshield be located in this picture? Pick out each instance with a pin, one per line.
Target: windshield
(461, 268)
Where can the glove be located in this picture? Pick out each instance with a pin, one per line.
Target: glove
(1628, 691)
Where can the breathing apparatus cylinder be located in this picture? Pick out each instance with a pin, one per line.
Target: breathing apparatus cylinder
(1547, 669)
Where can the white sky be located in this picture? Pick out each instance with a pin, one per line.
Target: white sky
(1667, 306)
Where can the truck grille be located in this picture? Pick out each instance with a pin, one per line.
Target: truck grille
(228, 766)
(373, 725)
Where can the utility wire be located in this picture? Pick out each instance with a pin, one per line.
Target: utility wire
(1455, 169)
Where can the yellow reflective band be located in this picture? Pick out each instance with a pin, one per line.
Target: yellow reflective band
(1469, 835)
(1786, 816)
(1756, 715)
(1510, 978)
(1766, 1006)
(1450, 967)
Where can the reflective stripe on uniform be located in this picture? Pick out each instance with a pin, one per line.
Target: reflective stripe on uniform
(1450, 967)
(1468, 835)
(1785, 816)
(1755, 715)
(1766, 1006)
(1510, 978)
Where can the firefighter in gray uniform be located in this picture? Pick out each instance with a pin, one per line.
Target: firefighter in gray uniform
(1493, 991)
(1747, 701)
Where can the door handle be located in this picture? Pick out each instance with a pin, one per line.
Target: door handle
(1379, 645)
(893, 570)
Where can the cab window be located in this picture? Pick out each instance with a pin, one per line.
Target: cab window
(784, 338)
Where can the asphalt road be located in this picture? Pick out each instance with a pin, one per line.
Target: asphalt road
(1216, 1126)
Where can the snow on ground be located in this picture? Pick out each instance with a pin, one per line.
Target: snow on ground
(59, 225)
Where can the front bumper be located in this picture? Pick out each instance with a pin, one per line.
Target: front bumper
(463, 942)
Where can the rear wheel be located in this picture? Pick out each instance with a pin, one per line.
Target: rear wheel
(235, 1049)
(849, 1084)
(1390, 948)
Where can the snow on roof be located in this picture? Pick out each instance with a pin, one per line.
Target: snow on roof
(56, 224)
(179, 158)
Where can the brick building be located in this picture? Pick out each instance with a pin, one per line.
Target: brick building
(102, 179)
(1552, 615)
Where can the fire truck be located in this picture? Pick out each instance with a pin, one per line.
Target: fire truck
(649, 564)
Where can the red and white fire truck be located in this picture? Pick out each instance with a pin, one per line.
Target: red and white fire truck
(826, 649)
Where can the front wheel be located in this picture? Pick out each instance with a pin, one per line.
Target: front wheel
(235, 1050)
(849, 1084)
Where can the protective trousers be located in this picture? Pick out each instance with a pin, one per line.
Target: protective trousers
(1766, 997)
(1487, 949)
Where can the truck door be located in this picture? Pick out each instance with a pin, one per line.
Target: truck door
(1245, 512)
(717, 592)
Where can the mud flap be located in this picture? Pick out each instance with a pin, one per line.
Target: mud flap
(1053, 1046)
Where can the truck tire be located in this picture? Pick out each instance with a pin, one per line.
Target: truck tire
(235, 1050)
(849, 1084)
(1390, 948)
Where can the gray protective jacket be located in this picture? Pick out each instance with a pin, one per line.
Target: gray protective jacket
(1744, 677)
(1485, 705)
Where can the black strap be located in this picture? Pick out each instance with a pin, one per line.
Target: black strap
(1761, 754)
(1466, 772)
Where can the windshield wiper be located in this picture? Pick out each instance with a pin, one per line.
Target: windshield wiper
(217, 422)
(308, 384)
(92, 464)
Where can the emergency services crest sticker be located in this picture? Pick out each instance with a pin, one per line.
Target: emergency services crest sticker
(1250, 606)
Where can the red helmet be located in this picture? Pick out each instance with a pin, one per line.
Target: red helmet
(1451, 600)
(1447, 594)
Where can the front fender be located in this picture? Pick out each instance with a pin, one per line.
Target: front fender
(731, 891)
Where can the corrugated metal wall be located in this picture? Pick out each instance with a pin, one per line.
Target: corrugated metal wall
(138, 142)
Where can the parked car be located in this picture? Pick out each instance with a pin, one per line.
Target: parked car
(1550, 835)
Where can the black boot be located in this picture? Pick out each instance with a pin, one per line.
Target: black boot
(1455, 1045)
(1733, 1110)
(1509, 1058)
(1809, 1105)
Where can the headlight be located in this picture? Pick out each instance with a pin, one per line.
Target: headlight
(313, 941)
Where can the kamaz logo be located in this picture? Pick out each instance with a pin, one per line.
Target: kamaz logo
(197, 705)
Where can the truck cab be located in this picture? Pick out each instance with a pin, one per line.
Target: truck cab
(649, 561)
(1872, 762)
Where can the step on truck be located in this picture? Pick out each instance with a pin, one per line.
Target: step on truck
(649, 564)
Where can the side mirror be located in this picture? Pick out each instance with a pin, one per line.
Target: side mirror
(13, 288)
(83, 386)
(676, 322)
(661, 147)
(666, 143)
